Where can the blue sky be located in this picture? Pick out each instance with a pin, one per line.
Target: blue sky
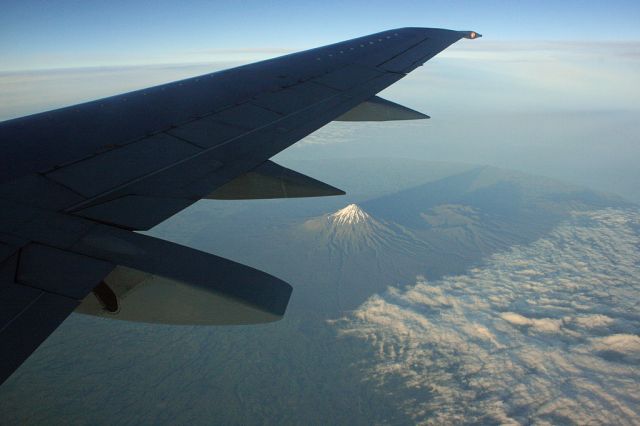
(52, 34)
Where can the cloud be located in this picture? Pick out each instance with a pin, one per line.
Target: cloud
(545, 333)
(593, 321)
(544, 325)
(576, 47)
(622, 346)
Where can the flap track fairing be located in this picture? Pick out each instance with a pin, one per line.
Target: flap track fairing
(378, 109)
(270, 180)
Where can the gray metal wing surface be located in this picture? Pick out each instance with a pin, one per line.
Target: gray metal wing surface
(74, 183)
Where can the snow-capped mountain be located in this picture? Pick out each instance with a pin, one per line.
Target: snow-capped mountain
(350, 215)
(352, 230)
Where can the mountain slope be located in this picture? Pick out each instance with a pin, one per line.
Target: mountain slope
(352, 246)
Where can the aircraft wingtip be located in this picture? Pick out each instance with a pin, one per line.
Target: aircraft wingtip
(471, 34)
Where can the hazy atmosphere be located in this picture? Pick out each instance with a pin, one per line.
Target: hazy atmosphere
(482, 268)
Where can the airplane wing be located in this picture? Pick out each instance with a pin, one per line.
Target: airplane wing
(75, 182)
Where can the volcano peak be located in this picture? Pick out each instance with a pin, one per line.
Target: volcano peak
(349, 215)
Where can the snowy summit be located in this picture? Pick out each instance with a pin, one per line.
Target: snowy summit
(349, 215)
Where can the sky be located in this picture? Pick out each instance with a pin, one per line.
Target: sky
(552, 88)
(65, 33)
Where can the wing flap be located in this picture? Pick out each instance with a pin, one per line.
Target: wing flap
(135, 212)
(102, 172)
(59, 271)
(206, 132)
(38, 191)
(247, 116)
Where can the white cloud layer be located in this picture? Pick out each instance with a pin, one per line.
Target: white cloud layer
(542, 334)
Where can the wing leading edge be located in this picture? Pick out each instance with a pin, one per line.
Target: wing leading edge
(75, 181)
